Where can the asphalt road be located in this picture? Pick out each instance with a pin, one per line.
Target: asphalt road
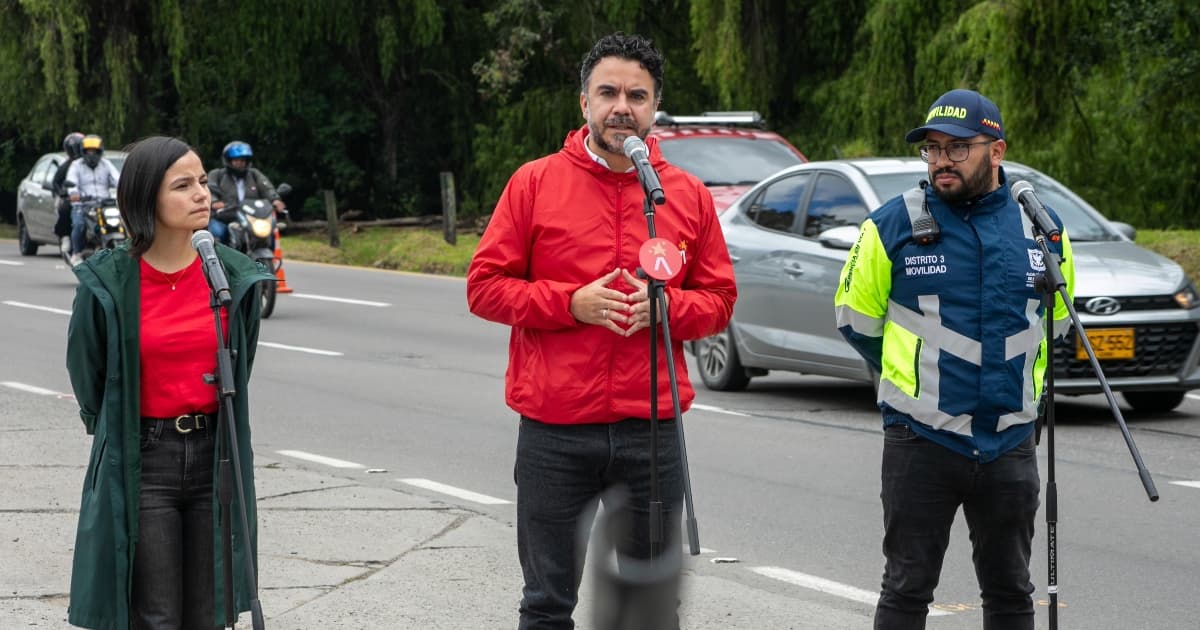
(390, 376)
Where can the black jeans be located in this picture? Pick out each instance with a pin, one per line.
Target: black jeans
(173, 562)
(560, 470)
(923, 485)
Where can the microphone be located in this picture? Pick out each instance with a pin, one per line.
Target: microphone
(636, 150)
(1022, 193)
(202, 242)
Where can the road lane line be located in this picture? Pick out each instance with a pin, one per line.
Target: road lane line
(33, 389)
(829, 587)
(320, 459)
(280, 346)
(465, 495)
(48, 309)
(1187, 484)
(326, 298)
(719, 410)
(12, 262)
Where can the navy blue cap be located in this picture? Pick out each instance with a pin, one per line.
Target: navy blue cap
(962, 114)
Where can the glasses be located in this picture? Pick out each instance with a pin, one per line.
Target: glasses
(956, 151)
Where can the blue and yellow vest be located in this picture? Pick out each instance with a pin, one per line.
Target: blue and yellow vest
(956, 328)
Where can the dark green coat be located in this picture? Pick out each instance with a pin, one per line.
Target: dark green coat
(102, 359)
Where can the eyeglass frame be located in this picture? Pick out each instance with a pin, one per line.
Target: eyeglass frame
(924, 151)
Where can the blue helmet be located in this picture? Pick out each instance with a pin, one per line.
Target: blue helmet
(234, 150)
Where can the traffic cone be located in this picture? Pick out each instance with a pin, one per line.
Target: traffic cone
(280, 286)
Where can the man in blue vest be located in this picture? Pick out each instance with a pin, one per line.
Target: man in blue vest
(940, 296)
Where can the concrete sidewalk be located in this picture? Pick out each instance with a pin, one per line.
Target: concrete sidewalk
(337, 551)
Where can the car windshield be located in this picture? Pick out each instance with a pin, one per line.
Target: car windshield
(1081, 224)
(721, 161)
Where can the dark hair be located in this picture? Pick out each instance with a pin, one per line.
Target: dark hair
(141, 178)
(631, 47)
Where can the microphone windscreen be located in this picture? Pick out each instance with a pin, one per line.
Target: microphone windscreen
(200, 236)
(1020, 187)
(633, 143)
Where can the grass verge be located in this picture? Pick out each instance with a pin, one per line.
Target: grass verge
(403, 249)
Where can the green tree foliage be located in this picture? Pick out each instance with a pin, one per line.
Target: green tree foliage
(372, 98)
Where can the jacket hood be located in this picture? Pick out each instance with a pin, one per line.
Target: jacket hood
(574, 149)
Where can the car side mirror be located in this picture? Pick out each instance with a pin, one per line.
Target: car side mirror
(841, 237)
(1126, 230)
(48, 187)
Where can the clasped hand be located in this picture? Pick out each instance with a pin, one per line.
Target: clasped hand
(623, 313)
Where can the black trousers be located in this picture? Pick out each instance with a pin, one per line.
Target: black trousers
(923, 485)
(173, 561)
(62, 226)
(560, 470)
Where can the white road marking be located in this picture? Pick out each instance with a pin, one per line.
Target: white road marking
(719, 410)
(48, 309)
(1187, 484)
(12, 262)
(326, 298)
(320, 459)
(829, 587)
(280, 346)
(32, 389)
(465, 495)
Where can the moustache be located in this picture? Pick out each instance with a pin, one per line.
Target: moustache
(948, 171)
(621, 121)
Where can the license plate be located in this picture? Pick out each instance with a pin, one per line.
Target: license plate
(1109, 343)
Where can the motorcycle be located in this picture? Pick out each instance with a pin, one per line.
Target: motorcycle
(103, 228)
(252, 227)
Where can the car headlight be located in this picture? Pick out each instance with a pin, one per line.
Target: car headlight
(1187, 297)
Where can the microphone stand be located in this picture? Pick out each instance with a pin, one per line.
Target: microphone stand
(656, 292)
(228, 447)
(1052, 284)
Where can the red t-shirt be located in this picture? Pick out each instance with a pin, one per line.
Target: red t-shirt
(178, 342)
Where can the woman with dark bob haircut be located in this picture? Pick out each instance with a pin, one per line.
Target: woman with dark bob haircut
(141, 339)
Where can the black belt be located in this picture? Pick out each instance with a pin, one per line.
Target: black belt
(188, 422)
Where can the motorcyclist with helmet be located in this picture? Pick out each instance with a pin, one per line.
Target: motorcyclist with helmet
(73, 147)
(92, 177)
(236, 182)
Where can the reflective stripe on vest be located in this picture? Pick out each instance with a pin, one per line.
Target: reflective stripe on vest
(859, 323)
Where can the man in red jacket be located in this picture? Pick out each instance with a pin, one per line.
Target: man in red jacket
(557, 263)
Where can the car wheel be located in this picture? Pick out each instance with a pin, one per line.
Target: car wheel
(1154, 401)
(720, 368)
(28, 246)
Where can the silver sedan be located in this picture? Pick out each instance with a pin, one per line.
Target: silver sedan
(789, 237)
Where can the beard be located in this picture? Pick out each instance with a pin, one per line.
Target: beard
(624, 126)
(974, 184)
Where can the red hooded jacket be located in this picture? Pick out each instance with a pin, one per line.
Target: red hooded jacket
(564, 221)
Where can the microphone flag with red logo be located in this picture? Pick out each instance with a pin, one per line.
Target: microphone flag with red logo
(660, 259)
